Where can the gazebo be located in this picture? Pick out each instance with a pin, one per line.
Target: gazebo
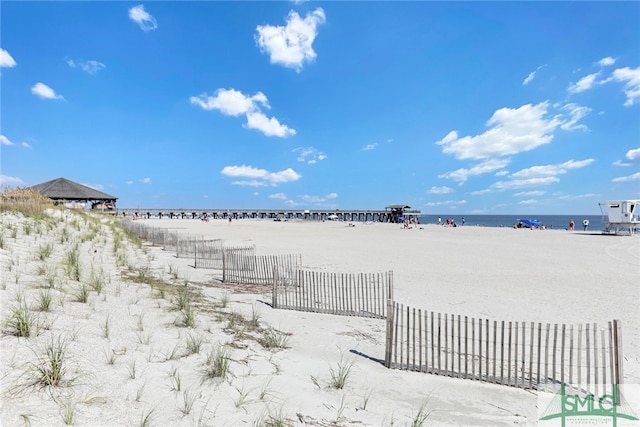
(62, 190)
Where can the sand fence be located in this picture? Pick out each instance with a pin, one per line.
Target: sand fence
(528, 355)
(359, 294)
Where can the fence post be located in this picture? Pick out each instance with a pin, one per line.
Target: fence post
(274, 298)
(389, 340)
(618, 358)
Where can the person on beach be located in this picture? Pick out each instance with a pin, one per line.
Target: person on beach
(439, 221)
(572, 225)
(462, 220)
(585, 224)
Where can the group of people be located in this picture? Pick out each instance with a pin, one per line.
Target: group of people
(585, 224)
(449, 222)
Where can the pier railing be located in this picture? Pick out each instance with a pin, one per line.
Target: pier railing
(526, 355)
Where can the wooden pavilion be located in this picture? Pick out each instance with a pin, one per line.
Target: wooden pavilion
(63, 191)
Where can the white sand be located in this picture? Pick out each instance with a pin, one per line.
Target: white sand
(496, 273)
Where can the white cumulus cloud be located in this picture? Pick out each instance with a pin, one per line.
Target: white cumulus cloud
(6, 60)
(440, 190)
(43, 91)
(268, 126)
(5, 141)
(145, 21)
(231, 102)
(291, 45)
(461, 175)
(607, 61)
(511, 131)
(259, 177)
(631, 79)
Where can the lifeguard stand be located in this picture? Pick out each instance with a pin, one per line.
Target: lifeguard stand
(621, 215)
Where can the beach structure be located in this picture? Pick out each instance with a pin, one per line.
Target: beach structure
(621, 215)
(73, 195)
(389, 214)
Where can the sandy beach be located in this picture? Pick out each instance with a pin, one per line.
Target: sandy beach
(134, 355)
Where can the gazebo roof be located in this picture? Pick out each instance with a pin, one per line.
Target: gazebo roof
(63, 189)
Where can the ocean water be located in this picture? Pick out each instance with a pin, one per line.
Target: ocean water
(560, 222)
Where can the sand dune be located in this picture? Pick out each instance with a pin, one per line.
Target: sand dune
(149, 340)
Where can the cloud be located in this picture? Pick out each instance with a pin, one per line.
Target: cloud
(98, 187)
(532, 75)
(309, 155)
(10, 180)
(279, 196)
(524, 183)
(632, 156)
(440, 190)
(631, 79)
(91, 66)
(370, 147)
(145, 21)
(146, 180)
(129, 182)
(5, 141)
(552, 170)
(629, 178)
(606, 61)
(231, 102)
(44, 91)
(268, 126)
(533, 193)
(576, 113)
(6, 60)
(291, 45)
(461, 175)
(511, 131)
(260, 177)
(446, 203)
(318, 199)
(584, 83)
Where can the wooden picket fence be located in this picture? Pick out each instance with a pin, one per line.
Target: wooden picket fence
(239, 267)
(526, 355)
(364, 294)
(211, 253)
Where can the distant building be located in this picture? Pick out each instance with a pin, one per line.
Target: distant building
(74, 195)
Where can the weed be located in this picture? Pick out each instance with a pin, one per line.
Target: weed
(254, 322)
(365, 398)
(176, 380)
(111, 357)
(194, 343)
(45, 252)
(82, 293)
(224, 301)
(217, 363)
(144, 337)
(106, 326)
(421, 417)
(139, 393)
(340, 375)
(132, 370)
(188, 400)
(44, 300)
(21, 322)
(52, 368)
(145, 420)
(274, 339)
(243, 394)
(68, 412)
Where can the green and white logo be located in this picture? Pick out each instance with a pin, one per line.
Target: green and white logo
(608, 407)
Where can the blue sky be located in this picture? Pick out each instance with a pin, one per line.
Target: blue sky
(449, 107)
